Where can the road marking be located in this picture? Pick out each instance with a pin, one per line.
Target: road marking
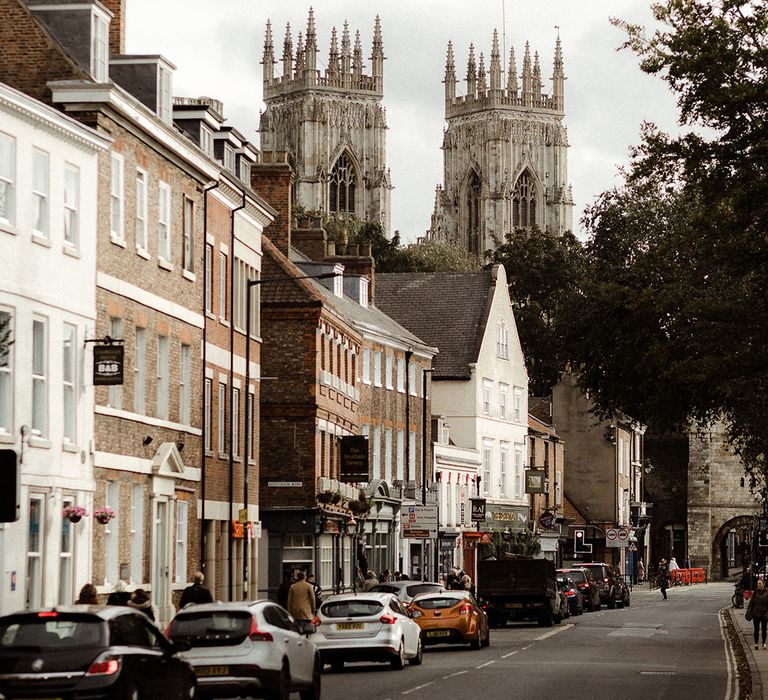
(554, 632)
(731, 686)
(418, 687)
(528, 647)
(458, 673)
(487, 663)
(511, 653)
(658, 673)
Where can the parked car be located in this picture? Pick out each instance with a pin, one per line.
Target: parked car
(91, 651)
(585, 582)
(407, 590)
(367, 627)
(605, 575)
(563, 611)
(248, 649)
(624, 595)
(451, 617)
(572, 594)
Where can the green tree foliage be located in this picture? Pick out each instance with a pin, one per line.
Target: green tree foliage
(434, 256)
(524, 543)
(671, 320)
(543, 272)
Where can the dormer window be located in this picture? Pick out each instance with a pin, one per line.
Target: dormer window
(364, 292)
(338, 281)
(164, 92)
(229, 158)
(99, 48)
(245, 171)
(206, 139)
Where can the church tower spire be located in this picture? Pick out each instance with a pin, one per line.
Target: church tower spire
(558, 77)
(495, 63)
(287, 53)
(527, 76)
(357, 56)
(310, 50)
(377, 55)
(300, 56)
(471, 72)
(268, 59)
(450, 75)
(332, 70)
(512, 86)
(482, 86)
(346, 51)
(536, 77)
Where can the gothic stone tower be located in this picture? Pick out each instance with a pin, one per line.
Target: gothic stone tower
(505, 157)
(333, 125)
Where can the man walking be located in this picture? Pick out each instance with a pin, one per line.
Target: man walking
(197, 593)
(663, 577)
(301, 599)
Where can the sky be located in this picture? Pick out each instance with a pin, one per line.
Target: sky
(217, 49)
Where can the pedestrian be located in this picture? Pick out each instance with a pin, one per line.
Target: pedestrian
(687, 561)
(757, 611)
(640, 571)
(466, 582)
(362, 558)
(140, 601)
(673, 566)
(87, 595)
(371, 580)
(318, 591)
(663, 578)
(119, 595)
(301, 599)
(285, 586)
(384, 576)
(197, 593)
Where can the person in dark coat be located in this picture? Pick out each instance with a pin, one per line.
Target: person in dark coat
(663, 577)
(757, 609)
(197, 593)
(316, 588)
(88, 595)
(119, 595)
(140, 601)
(285, 587)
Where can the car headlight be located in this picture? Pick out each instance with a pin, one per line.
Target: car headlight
(415, 614)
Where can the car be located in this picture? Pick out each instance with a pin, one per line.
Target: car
(572, 594)
(624, 592)
(406, 590)
(451, 617)
(585, 582)
(605, 575)
(248, 649)
(92, 651)
(367, 627)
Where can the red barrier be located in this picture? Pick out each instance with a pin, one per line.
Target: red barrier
(697, 575)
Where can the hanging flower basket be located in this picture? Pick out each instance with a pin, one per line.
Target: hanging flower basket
(103, 515)
(73, 513)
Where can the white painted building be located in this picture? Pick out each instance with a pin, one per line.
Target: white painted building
(48, 182)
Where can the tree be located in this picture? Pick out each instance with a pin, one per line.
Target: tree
(505, 544)
(434, 256)
(671, 319)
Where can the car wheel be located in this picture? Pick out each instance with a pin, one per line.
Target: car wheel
(130, 692)
(337, 666)
(598, 606)
(283, 689)
(398, 660)
(313, 691)
(416, 660)
(191, 688)
(487, 640)
(611, 602)
(626, 602)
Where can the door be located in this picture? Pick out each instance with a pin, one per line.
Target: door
(161, 565)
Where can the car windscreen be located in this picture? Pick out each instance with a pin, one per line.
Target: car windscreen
(416, 588)
(577, 576)
(438, 602)
(52, 631)
(384, 588)
(352, 608)
(214, 628)
(596, 571)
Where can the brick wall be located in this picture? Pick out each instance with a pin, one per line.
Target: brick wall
(272, 181)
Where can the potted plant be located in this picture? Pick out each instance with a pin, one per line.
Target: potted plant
(325, 496)
(73, 513)
(361, 505)
(336, 498)
(104, 515)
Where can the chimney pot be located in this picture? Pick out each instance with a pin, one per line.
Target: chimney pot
(330, 249)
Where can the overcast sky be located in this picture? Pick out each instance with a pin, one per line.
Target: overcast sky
(217, 48)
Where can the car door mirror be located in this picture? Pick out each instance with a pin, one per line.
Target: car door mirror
(307, 627)
(180, 645)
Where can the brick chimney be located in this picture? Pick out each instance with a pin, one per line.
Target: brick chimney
(272, 179)
(116, 26)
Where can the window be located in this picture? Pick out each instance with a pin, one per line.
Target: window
(116, 229)
(411, 454)
(35, 551)
(388, 455)
(377, 368)
(487, 388)
(400, 455)
(99, 46)
(7, 179)
(141, 210)
(249, 419)
(236, 422)
(342, 186)
(518, 471)
(504, 468)
(164, 222)
(6, 377)
(66, 593)
(223, 286)
(518, 403)
(244, 273)
(524, 202)
(487, 466)
(137, 533)
(229, 158)
(162, 376)
(412, 379)
(40, 185)
(401, 374)
(376, 471)
(206, 139)
(164, 90)
(68, 373)
(222, 419)
(503, 399)
(115, 393)
(458, 515)
(448, 505)
(388, 370)
(208, 278)
(473, 213)
(185, 385)
(502, 340)
(245, 171)
(39, 377)
(182, 529)
(112, 535)
(207, 387)
(366, 366)
(140, 372)
(189, 235)
(71, 204)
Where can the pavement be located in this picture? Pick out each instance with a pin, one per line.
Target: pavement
(758, 658)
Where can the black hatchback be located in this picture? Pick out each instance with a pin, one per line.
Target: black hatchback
(90, 651)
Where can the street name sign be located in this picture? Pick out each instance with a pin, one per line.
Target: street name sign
(418, 522)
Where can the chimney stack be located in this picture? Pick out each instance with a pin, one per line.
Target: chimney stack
(116, 26)
(272, 180)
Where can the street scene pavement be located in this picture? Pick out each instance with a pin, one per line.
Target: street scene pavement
(653, 649)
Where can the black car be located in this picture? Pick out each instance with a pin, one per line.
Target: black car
(572, 594)
(586, 584)
(606, 577)
(90, 651)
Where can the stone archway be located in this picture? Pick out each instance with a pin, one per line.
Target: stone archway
(720, 569)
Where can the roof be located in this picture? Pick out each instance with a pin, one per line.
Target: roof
(446, 309)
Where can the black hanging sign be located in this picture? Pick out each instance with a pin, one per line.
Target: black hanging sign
(478, 510)
(354, 459)
(108, 363)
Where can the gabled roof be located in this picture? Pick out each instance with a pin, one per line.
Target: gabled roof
(445, 309)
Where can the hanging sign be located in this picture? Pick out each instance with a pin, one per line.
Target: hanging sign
(478, 510)
(108, 363)
(354, 459)
(535, 481)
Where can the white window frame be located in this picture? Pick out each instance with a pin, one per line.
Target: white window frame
(388, 369)
(71, 205)
(41, 189)
(518, 470)
(223, 266)
(208, 278)
(34, 574)
(112, 534)
(517, 404)
(136, 571)
(115, 392)
(99, 48)
(503, 468)
(164, 222)
(412, 389)
(245, 171)
(399, 474)
(164, 93)
(207, 414)
(182, 541)
(412, 453)
(376, 452)
(140, 371)
(487, 396)
(377, 368)
(188, 249)
(69, 363)
(503, 401)
(401, 374)
(40, 381)
(487, 467)
(117, 198)
(142, 190)
(235, 422)
(66, 556)
(366, 366)
(185, 384)
(206, 139)
(229, 158)
(162, 398)
(251, 402)
(8, 178)
(221, 426)
(7, 379)
(502, 340)
(388, 455)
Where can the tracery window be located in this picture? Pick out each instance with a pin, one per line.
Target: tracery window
(473, 213)
(524, 202)
(342, 186)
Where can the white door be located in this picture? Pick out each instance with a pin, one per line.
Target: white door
(161, 567)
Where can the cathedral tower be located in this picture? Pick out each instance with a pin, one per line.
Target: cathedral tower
(504, 152)
(331, 123)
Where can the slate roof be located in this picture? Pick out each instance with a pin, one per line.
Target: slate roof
(445, 309)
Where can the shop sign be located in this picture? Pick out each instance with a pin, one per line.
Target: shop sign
(478, 510)
(331, 527)
(285, 484)
(108, 365)
(354, 459)
(547, 520)
(535, 481)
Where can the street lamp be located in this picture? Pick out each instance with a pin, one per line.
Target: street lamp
(250, 284)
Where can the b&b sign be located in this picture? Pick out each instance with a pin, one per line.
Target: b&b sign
(478, 510)
(107, 365)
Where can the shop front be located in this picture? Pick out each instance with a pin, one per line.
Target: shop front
(502, 516)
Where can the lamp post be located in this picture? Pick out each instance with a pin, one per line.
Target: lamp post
(250, 284)
(424, 372)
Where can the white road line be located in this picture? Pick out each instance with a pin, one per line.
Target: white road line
(418, 687)
(511, 653)
(528, 647)
(731, 687)
(487, 663)
(458, 673)
(658, 673)
(554, 632)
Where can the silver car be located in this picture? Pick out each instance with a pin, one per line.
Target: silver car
(248, 649)
(367, 627)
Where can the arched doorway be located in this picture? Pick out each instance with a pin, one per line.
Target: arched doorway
(732, 547)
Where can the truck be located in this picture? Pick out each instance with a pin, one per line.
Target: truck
(518, 589)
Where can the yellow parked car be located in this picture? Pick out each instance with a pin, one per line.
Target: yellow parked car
(451, 617)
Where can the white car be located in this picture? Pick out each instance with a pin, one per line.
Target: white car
(247, 649)
(367, 627)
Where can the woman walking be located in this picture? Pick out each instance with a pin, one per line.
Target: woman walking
(757, 611)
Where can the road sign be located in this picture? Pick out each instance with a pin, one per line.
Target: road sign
(617, 537)
(418, 522)
(632, 547)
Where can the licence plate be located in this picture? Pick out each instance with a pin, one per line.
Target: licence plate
(514, 605)
(212, 670)
(349, 625)
(439, 633)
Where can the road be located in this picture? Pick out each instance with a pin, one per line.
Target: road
(653, 649)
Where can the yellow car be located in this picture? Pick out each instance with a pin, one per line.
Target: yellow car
(451, 617)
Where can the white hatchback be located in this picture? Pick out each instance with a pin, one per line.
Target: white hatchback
(247, 649)
(367, 627)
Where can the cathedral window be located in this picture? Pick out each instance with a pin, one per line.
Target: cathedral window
(473, 213)
(342, 186)
(524, 202)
